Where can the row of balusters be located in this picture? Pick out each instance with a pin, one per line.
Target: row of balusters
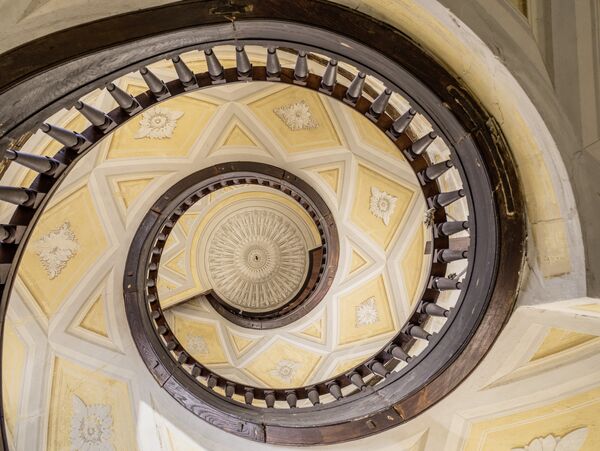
(158, 88)
(313, 394)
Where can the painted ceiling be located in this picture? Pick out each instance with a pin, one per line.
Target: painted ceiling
(68, 355)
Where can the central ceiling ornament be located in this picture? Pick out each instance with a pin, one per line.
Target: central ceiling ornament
(264, 245)
(257, 259)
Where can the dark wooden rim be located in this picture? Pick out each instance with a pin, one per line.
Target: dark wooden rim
(180, 197)
(473, 136)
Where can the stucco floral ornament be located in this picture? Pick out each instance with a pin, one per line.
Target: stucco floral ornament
(569, 442)
(296, 116)
(158, 123)
(196, 345)
(91, 427)
(285, 370)
(366, 312)
(382, 204)
(56, 248)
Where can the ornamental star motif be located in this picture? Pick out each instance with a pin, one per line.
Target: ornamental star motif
(569, 442)
(158, 123)
(56, 248)
(382, 204)
(296, 116)
(91, 426)
(366, 313)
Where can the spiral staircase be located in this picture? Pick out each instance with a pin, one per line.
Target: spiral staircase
(296, 234)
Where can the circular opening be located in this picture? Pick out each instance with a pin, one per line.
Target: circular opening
(255, 242)
(253, 246)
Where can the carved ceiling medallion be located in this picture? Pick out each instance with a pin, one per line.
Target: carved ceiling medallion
(382, 204)
(56, 248)
(296, 116)
(91, 426)
(158, 123)
(366, 313)
(257, 259)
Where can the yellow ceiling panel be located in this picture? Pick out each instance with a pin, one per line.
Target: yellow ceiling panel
(317, 330)
(238, 138)
(130, 190)
(332, 177)
(365, 313)
(558, 340)
(283, 364)
(177, 263)
(558, 419)
(94, 319)
(167, 130)
(87, 404)
(67, 241)
(392, 201)
(346, 365)
(200, 339)
(371, 135)
(240, 343)
(235, 135)
(357, 261)
(298, 119)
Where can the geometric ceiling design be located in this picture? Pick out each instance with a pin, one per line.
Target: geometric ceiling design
(68, 354)
(365, 306)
